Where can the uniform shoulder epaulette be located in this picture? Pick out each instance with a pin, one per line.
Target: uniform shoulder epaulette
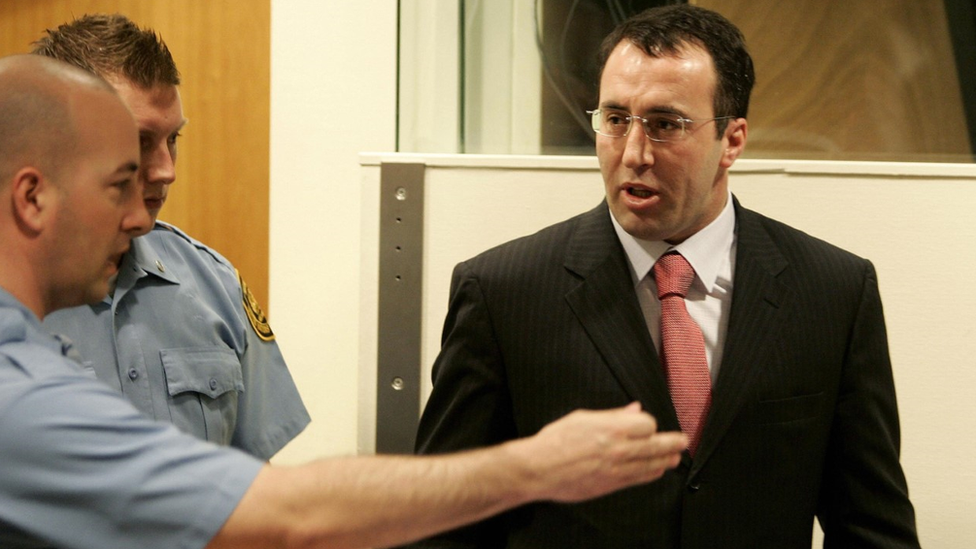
(255, 315)
(173, 229)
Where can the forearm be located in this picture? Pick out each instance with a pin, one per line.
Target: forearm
(376, 501)
(389, 500)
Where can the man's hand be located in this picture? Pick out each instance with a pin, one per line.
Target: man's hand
(591, 453)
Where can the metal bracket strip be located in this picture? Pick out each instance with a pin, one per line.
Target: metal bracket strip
(400, 306)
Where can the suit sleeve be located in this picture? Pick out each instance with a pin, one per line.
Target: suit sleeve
(470, 406)
(864, 496)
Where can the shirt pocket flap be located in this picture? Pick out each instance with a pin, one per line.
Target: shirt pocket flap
(208, 371)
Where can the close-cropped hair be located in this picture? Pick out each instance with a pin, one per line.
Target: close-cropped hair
(111, 46)
(37, 127)
(666, 30)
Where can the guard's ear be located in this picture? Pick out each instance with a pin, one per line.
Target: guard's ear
(735, 141)
(31, 200)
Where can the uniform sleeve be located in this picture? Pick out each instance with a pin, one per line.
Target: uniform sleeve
(270, 410)
(864, 498)
(470, 406)
(83, 469)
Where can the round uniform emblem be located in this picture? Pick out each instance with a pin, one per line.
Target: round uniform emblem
(254, 313)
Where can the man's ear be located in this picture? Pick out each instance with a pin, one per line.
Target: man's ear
(30, 193)
(735, 141)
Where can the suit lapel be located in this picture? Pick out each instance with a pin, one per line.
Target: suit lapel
(606, 305)
(760, 305)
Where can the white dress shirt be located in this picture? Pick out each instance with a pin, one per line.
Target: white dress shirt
(711, 252)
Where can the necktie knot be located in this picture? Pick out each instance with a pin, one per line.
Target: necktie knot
(673, 275)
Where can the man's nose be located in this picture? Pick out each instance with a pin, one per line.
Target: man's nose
(160, 165)
(638, 148)
(136, 221)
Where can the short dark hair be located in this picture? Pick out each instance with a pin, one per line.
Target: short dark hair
(664, 30)
(111, 46)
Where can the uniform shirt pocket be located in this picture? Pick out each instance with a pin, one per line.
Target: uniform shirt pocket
(208, 371)
(203, 385)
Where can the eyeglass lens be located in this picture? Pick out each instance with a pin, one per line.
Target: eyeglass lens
(657, 126)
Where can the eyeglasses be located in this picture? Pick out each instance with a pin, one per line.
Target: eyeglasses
(660, 127)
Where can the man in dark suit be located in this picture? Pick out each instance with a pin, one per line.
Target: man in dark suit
(797, 415)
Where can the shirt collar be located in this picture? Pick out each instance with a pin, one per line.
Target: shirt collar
(7, 300)
(143, 258)
(704, 250)
(30, 330)
(16, 331)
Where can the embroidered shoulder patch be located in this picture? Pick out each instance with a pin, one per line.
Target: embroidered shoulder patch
(254, 313)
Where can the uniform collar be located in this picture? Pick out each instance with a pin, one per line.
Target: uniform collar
(704, 250)
(30, 329)
(17, 331)
(8, 301)
(144, 258)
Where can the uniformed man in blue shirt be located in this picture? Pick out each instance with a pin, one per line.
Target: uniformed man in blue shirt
(179, 335)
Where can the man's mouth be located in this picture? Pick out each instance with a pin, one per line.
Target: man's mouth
(639, 193)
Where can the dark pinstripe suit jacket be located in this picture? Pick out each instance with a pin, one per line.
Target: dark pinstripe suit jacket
(803, 418)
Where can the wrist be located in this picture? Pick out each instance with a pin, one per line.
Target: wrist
(520, 472)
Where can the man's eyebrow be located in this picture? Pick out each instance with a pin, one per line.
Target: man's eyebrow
(128, 167)
(660, 109)
(156, 131)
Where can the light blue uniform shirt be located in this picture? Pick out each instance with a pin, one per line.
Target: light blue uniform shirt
(80, 468)
(177, 340)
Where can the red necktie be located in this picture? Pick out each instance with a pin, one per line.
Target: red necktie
(683, 347)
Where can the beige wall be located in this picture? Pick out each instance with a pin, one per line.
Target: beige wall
(332, 63)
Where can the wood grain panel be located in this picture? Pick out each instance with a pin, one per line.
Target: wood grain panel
(222, 48)
(844, 80)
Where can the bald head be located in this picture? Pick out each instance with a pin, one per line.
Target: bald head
(38, 100)
(71, 202)
(40, 68)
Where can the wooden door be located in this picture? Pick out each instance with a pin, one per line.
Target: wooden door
(222, 49)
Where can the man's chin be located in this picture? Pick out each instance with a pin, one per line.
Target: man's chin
(96, 295)
(92, 296)
(99, 290)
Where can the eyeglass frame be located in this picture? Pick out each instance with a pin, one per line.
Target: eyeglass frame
(685, 122)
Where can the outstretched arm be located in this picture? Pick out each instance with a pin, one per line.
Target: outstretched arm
(381, 501)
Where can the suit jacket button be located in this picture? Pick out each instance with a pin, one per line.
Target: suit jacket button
(693, 486)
